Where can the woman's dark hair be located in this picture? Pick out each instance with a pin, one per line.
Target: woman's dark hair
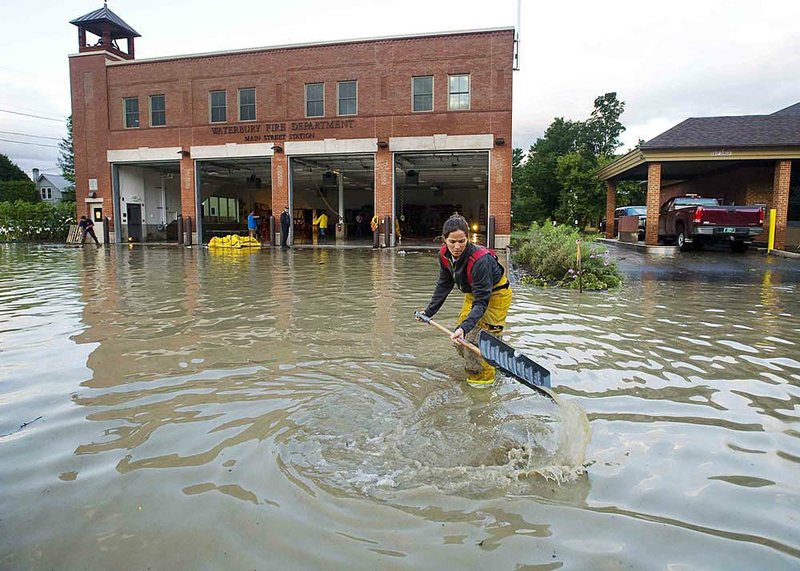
(455, 222)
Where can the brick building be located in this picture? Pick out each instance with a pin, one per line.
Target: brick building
(745, 159)
(408, 129)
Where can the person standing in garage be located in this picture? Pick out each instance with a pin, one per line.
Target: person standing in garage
(322, 222)
(252, 224)
(286, 223)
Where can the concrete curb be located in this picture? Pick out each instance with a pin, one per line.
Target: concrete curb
(784, 254)
(644, 248)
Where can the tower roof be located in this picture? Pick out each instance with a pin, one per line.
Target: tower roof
(93, 23)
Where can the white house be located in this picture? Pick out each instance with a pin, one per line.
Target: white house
(50, 187)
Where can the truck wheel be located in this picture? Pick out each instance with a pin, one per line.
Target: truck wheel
(739, 246)
(680, 238)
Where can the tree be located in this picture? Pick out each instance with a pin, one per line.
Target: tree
(538, 193)
(14, 190)
(525, 205)
(557, 179)
(600, 133)
(10, 171)
(583, 199)
(66, 156)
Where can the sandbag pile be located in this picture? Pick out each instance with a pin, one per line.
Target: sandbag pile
(233, 241)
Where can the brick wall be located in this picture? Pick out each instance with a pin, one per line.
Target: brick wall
(382, 68)
(500, 159)
(611, 206)
(654, 202)
(90, 129)
(783, 175)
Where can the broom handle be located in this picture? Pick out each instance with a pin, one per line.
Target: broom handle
(463, 341)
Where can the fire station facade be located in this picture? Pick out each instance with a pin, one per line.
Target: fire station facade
(403, 130)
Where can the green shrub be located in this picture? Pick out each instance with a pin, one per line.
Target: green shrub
(25, 221)
(13, 190)
(548, 255)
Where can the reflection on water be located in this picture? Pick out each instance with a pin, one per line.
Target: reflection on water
(232, 408)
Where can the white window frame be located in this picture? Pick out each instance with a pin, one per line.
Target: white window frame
(150, 101)
(433, 90)
(125, 112)
(339, 100)
(305, 99)
(210, 107)
(468, 92)
(255, 104)
(49, 193)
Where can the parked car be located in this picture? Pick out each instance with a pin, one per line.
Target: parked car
(640, 211)
(692, 220)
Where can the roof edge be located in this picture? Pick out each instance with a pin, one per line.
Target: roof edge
(624, 163)
(317, 44)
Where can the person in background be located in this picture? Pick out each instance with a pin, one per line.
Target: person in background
(252, 224)
(476, 272)
(359, 225)
(286, 223)
(87, 227)
(322, 222)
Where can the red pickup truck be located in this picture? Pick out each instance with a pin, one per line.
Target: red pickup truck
(692, 220)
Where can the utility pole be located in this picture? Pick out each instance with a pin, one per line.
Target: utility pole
(515, 67)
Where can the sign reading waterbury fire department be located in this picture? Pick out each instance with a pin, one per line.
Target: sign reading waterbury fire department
(283, 131)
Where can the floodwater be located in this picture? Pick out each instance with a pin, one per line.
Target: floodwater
(183, 409)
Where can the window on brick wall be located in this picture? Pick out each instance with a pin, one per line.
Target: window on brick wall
(131, 109)
(247, 104)
(458, 92)
(217, 106)
(347, 98)
(422, 93)
(158, 111)
(315, 99)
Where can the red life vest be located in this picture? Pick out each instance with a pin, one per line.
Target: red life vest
(479, 253)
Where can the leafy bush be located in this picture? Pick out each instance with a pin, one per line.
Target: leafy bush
(548, 255)
(24, 221)
(12, 190)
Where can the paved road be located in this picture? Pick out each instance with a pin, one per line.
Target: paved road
(707, 265)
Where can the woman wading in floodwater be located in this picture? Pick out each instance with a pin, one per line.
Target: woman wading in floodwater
(477, 273)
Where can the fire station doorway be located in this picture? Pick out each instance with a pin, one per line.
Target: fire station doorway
(341, 187)
(431, 186)
(228, 190)
(148, 201)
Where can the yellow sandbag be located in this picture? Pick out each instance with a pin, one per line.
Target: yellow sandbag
(233, 241)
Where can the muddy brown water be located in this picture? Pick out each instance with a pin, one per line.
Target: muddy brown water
(282, 409)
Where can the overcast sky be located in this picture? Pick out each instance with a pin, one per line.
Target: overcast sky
(666, 60)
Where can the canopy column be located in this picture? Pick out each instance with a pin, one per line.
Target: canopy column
(653, 203)
(611, 205)
(780, 200)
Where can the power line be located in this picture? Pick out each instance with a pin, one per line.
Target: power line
(24, 143)
(20, 108)
(30, 115)
(27, 135)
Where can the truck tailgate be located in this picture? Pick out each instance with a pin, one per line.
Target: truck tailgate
(731, 215)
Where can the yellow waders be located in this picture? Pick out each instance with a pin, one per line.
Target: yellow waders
(479, 372)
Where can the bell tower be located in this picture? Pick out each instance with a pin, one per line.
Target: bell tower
(108, 29)
(91, 108)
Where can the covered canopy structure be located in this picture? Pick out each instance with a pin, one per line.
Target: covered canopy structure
(741, 159)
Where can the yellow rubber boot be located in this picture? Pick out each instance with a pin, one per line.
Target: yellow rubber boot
(483, 379)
